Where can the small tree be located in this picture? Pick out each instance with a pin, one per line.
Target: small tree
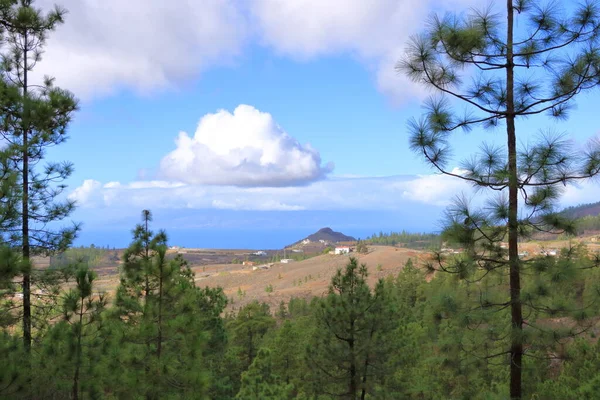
(81, 311)
(361, 247)
(515, 74)
(137, 283)
(70, 350)
(33, 118)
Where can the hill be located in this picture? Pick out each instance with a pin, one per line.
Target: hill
(327, 235)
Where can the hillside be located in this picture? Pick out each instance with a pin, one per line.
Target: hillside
(307, 278)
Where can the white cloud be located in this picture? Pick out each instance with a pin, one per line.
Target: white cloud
(146, 45)
(376, 31)
(308, 28)
(88, 194)
(334, 194)
(267, 205)
(139, 44)
(438, 190)
(246, 148)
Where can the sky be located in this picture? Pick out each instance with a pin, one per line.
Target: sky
(253, 123)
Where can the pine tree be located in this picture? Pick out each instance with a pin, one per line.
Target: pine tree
(9, 191)
(67, 354)
(516, 74)
(246, 332)
(259, 382)
(137, 285)
(81, 310)
(162, 334)
(9, 269)
(250, 325)
(12, 375)
(349, 347)
(33, 118)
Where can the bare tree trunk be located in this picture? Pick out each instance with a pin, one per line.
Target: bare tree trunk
(25, 212)
(516, 348)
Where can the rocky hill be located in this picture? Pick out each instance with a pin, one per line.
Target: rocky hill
(327, 235)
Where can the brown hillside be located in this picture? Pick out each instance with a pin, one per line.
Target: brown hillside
(298, 279)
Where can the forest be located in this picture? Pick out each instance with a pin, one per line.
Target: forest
(412, 240)
(483, 323)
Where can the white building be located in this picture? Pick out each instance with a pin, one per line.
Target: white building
(342, 250)
(260, 253)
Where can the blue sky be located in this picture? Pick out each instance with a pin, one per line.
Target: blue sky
(304, 91)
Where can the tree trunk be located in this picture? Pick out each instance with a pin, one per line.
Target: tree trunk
(25, 213)
(160, 301)
(78, 359)
(352, 384)
(146, 260)
(363, 394)
(516, 348)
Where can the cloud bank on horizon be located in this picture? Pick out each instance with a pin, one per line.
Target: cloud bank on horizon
(336, 194)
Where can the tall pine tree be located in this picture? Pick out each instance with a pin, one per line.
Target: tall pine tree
(502, 75)
(34, 117)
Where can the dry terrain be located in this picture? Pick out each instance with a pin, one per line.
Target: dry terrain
(298, 279)
(306, 278)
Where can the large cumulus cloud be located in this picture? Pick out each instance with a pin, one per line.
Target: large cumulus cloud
(243, 148)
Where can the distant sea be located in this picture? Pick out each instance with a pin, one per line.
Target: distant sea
(214, 238)
(224, 229)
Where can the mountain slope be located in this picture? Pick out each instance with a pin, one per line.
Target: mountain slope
(583, 210)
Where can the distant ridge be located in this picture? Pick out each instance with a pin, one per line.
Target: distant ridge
(583, 210)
